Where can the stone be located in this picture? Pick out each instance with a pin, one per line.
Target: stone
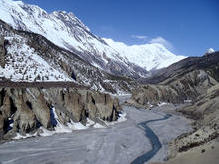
(24, 116)
(74, 105)
(104, 104)
(6, 107)
(90, 106)
(1, 126)
(2, 52)
(25, 121)
(40, 107)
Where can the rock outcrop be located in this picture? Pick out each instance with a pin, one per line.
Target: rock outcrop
(187, 88)
(2, 52)
(1, 126)
(205, 111)
(24, 110)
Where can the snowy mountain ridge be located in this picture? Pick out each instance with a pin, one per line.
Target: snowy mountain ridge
(149, 56)
(67, 31)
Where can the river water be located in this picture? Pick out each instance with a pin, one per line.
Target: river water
(154, 139)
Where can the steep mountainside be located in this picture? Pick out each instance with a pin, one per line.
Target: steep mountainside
(208, 62)
(194, 82)
(149, 56)
(182, 81)
(31, 57)
(67, 31)
(205, 111)
(183, 89)
(24, 64)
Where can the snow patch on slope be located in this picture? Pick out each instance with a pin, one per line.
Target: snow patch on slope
(23, 64)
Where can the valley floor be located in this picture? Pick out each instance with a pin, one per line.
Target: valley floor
(119, 143)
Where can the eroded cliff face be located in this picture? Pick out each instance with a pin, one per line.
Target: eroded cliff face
(186, 88)
(205, 111)
(24, 110)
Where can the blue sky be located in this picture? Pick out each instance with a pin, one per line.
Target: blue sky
(187, 27)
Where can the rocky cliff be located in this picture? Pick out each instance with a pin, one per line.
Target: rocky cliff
(184, 89)
(25, 110)
(205, 111)
(181, 82)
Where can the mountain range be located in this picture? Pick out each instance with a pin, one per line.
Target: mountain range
(148, 56)
(56, 75)
(67, 31)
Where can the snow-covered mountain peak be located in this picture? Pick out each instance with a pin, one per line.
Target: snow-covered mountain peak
(70, 18)
(210, 51)
(19, 6)
(149, 56)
